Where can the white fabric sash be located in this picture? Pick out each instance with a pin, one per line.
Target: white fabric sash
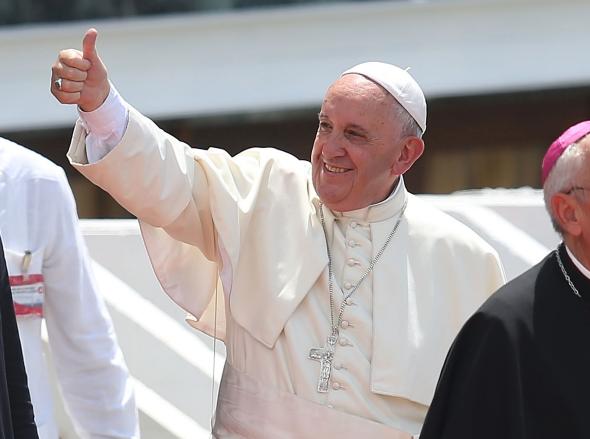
(248, 409)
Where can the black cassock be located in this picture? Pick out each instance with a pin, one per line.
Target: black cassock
(520, 367)
(16, 411)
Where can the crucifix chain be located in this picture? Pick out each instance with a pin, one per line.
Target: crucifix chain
(567, 277)
(326, 355)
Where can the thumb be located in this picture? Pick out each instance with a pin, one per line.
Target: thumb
(89, 45)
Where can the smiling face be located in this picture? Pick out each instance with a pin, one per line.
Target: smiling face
(358, 149)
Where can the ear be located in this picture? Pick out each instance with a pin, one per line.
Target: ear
(566, 212)
(412, 149)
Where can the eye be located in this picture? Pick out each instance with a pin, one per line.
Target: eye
(355, 135)
(324, 126)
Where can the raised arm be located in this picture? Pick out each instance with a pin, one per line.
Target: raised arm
(197, 208)
(81, 78)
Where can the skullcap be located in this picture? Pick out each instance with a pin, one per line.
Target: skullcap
(399, 84)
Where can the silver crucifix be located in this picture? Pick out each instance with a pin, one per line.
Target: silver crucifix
(325, 356)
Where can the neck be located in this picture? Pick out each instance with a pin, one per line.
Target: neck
(579, 250)
(392, 191)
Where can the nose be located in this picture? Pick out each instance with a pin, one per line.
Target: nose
(333, 147)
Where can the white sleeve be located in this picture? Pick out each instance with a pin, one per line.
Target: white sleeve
(91, 370)
(105, 125)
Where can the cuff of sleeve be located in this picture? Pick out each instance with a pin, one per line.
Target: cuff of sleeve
(109, 120)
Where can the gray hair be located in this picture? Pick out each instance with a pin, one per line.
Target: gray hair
(563, 176)
(409, 125)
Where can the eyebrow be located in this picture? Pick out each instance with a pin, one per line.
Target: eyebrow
(351, 126)
(357, 128)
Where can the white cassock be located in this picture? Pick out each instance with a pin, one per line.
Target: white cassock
(252, 221)
(39, 228)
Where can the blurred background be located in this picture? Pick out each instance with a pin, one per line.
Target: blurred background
(502, 79)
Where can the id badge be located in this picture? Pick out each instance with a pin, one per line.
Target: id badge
(28, 290)
(28, 294)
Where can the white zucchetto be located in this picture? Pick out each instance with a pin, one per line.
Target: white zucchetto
(399, 83)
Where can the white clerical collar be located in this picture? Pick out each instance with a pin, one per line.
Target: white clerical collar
(382, 210)
(577, 263)
(400, 183)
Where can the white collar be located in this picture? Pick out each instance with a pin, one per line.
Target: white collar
(577, 263)
(382, 210)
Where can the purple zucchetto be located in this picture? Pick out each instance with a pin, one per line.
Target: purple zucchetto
(556, 149)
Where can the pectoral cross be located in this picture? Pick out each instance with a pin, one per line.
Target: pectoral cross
(325, 356)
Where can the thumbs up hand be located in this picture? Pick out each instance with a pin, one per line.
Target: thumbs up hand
(80, 77)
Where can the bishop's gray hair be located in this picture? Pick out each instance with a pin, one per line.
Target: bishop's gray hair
(563, 176)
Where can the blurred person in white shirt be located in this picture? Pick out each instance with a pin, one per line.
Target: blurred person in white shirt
(51, 279)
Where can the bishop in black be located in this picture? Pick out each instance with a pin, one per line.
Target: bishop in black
(16, 410)
(520, 366)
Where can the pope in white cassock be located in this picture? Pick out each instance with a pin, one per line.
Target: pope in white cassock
(336, 292)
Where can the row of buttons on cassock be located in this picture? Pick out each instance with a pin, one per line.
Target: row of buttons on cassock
(342, 341)
(345, 324)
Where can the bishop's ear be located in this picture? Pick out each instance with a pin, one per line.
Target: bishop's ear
(566, 211)
(412, 149)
